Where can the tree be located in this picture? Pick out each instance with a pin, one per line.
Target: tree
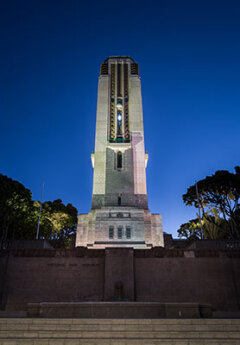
(58, 222)
(214, 227)
(190, 230)
(19, 216)
(16, 210)
(219, 197)
(209, 229)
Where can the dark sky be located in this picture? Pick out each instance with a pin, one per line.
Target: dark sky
(189, 58)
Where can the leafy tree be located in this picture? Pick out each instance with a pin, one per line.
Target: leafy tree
(190, 230)
(219, 197)
(58, 222)
(19, 216)
(16, 209)
(213, 229)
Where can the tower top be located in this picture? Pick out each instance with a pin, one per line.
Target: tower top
(120, 58)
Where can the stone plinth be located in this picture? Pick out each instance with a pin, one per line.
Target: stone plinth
(135, 310)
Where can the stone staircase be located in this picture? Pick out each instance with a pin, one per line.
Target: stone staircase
(37, 331)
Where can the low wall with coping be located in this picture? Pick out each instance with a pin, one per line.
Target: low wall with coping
(120, 274)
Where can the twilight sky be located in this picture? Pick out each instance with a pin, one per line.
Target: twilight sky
(189, 58)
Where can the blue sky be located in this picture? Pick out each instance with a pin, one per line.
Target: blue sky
(188, 53)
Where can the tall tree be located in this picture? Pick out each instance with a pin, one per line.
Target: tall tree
(19, 216)
(58, 222)
(16, 210)
(219, 197)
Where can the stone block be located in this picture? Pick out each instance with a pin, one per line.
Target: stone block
(182, 310)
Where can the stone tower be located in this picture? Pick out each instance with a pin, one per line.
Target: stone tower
(119, 216)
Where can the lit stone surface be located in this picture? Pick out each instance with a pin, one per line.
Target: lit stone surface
(119, 331)
(119, 200)
(93, 228)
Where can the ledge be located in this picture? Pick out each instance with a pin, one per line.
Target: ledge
(136, 310)
(155, 252)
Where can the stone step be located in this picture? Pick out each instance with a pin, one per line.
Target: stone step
(96, 341)
(35, 331)
(120, 334)
(75, 321)
(120, 327)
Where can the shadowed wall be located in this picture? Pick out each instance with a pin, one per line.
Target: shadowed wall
(81, 274)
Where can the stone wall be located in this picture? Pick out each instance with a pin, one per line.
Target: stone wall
(53, 275)
(159, 275)
(210, 277)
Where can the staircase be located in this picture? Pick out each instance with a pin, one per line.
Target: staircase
(37, 331)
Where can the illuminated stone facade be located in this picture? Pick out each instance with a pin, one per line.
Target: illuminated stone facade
(119, 215)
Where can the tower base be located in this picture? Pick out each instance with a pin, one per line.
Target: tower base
(119, 227)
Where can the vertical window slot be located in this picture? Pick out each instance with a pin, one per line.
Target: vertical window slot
(119, 232)
(111, 232)
(119, 160)
(128, 232)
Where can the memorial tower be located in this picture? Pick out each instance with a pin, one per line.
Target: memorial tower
(119, 216)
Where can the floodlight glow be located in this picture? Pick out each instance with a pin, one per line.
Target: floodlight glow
(119, 117)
